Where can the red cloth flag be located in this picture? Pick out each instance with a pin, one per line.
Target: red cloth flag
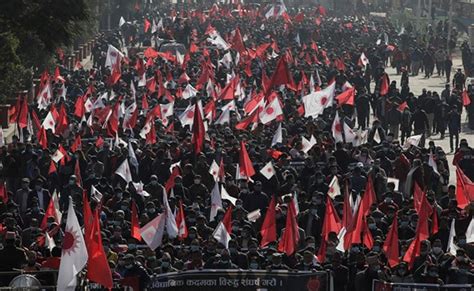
(52, 168)
(77, 144)
(299, 17)
(146, 25)
(88, 219)
(390, 246)
(434, 221)
(135, 225)
(384, 85)
(228, 92)
(50, 212)
(282, 75)
(289, 240)
(252, 118)
(77, 172)
(245, 164)
(238, 43)
(368, 199)
(464, 189)
(99, 142)
(3, 193)
(346, 97)
(42, 138)
(466, 100)
(23, 114)
(98, 269)
(181, 222)
(268, 230)
(170, 183)
(79, 109)
(198, 130)
(402, 106)
(331, 223)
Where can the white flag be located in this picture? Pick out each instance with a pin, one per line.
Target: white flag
(337, 129)
(114, 56)
(308, 144)
(216, 201)
(187, 117)
(152, 232)
(189, 92)
(452, 247)
(470, 232)
(48, 122)
(57, 156)
(132, 157)
(413, 140)
(74, 253)
(121, 21)
(95, 194)
(214, 170)
(226, 196)
(254, 215)
(139, 188)
(271, 112)
(171, 227)
(222, 235)
(223, 118)
(316, 102)
(268, 171)
(334, 188)
(124, 171)
(278, 136)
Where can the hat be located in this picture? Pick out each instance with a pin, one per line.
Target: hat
(10, 235)
(25, 180)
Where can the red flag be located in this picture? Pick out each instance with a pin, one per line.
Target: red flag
(77, 172)
(368, 199)
(238, 43)
(331, 223)
(367, 238)
(245, 164)
(466, 100)
(384, 84)
(268, 230)
(52, 168)
(98, 269)
(50, 212)
(135, 225)
(23, 114)
(42, 138)
(244, 123)
(79, 109)
(99, 142)
(181, 222)
(170, 183)
(113, 121)
(228, 92)
(434, 221)
(88, 219)
(402, 106)
(151, 135)
(146, 25)
(346, 97)
(290, 237)
(299, 17)
(390, 246)
(77, 144)
(193, 48)
(282, 75)
(3, 193)
(464, 189)
(198, 130)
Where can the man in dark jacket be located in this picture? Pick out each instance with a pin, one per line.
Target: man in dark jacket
(454, 126)
(420, 121)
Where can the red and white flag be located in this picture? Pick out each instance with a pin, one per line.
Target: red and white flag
(334, 189)
(49, 122)
(181, 222)
(189, 92)
(271, 111)
(224, 229)
(268, 171)
(337, 129)
(278, 136)
(363, 60)
(124, 171)
(214, 170)
(308, 144)
(316, 102)
(114, 57)
(216, 201)
(171, 226)
(74, 253)
(152, 232)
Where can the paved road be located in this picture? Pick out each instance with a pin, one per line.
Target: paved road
(437, 84)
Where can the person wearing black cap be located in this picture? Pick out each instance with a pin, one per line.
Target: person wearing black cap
(135, 269)
(11, 256)
(42, 195)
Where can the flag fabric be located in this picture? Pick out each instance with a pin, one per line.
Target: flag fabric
(346, 97)
(363, 60)
(271, 111)
(74, 253)
(152, 232)
(464, 189)
(216, 201)
(224, 229)
(226, 196)
(171, 227)
(98, 269)
(268, 229)
(135, 225)
(316, 102)
(199, 131)
(113, 57)
(278, 136)
(268, 171)
(181, 222)
(214, 170)
(390, 246)
(77, 173)
(51, 211)
(384, 85)
(337, 128)
(52, 168)
(308, 144)
(289, 240)
(466, 100)
(49, 122)
(470, 232)
(245, 164)
(124, 171)
(452, 247)
(334, 189)
(331, 223)
(282, 75)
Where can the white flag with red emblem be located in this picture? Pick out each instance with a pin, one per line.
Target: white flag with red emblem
(74, 253)
(334, 188)
(363, 60)
(349, 135)
(114, 56)
(214, 170)
(124, 171)
(57, 156)
(152, 232)
(337, 129)
(226, 196)
(316, 102)
(187, 117)
(171, 227)
(268, 171)
(223, 118)
(224, 229)
(271, 111)
(189, 92)
(48, 122)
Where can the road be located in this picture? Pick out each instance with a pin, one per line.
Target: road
(417, 84)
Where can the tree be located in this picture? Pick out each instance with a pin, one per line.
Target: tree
(30, 32)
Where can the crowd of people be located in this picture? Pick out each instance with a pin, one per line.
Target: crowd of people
(233, 66)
